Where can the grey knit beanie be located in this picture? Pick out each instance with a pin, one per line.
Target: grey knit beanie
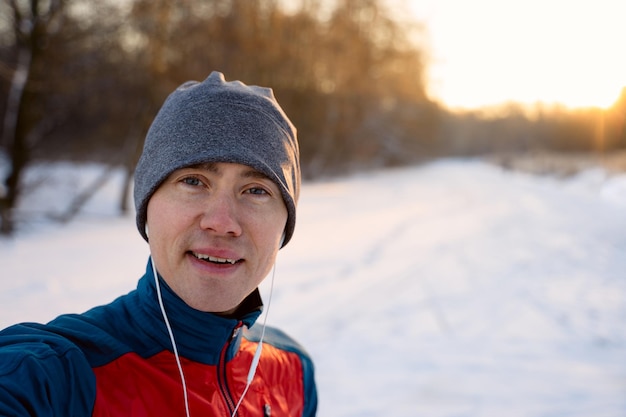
(219, 121)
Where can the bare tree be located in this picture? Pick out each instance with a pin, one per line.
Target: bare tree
(56, 84)
(31, 25)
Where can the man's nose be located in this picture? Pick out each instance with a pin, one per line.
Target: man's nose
(220, 215)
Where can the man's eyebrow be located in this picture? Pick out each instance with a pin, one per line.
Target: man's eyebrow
(208, 166)
(214, 168)
(253, 173)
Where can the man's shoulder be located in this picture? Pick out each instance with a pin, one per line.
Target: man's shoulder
(275, 337)
(33, 339)
(65, 334)
(97, 334)
(281, 340)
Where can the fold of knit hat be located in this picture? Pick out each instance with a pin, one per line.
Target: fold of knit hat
(220, 121)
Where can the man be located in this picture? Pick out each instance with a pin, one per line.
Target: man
(215, 192)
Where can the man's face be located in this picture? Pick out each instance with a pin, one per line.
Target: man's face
(214, 233)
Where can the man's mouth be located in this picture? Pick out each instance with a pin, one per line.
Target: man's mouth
(214, 259)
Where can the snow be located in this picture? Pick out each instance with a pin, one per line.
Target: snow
(451, 289)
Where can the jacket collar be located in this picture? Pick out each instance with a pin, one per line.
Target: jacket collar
(199, 336)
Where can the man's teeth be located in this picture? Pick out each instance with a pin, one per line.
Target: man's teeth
(214, 259)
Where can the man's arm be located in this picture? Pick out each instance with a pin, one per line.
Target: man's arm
(43, 374)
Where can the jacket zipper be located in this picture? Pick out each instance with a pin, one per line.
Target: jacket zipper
(221, 373)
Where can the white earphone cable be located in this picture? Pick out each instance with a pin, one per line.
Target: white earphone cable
(259, 348)
(257, 354)
(169, 330)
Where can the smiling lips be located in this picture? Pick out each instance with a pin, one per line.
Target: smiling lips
(214, 259)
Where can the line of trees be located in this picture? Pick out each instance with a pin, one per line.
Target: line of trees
(513, 128)
(82, 80)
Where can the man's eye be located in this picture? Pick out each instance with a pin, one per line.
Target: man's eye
(191, 181)
(257, 191)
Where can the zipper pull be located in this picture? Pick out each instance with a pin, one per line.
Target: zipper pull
(267, 410)
(236, 330)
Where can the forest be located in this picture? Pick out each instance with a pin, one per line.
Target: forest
(82, 80)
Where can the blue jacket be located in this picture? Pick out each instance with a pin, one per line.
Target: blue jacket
(117, 360)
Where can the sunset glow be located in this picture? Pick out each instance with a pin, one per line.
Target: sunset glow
(487, 52)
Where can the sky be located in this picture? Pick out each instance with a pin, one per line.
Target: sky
(451, 289)
(488, 52)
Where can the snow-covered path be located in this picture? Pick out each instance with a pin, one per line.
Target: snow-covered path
(452, 289)
(459, 289)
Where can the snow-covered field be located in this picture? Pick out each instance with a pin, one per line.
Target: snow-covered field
(452, 289)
